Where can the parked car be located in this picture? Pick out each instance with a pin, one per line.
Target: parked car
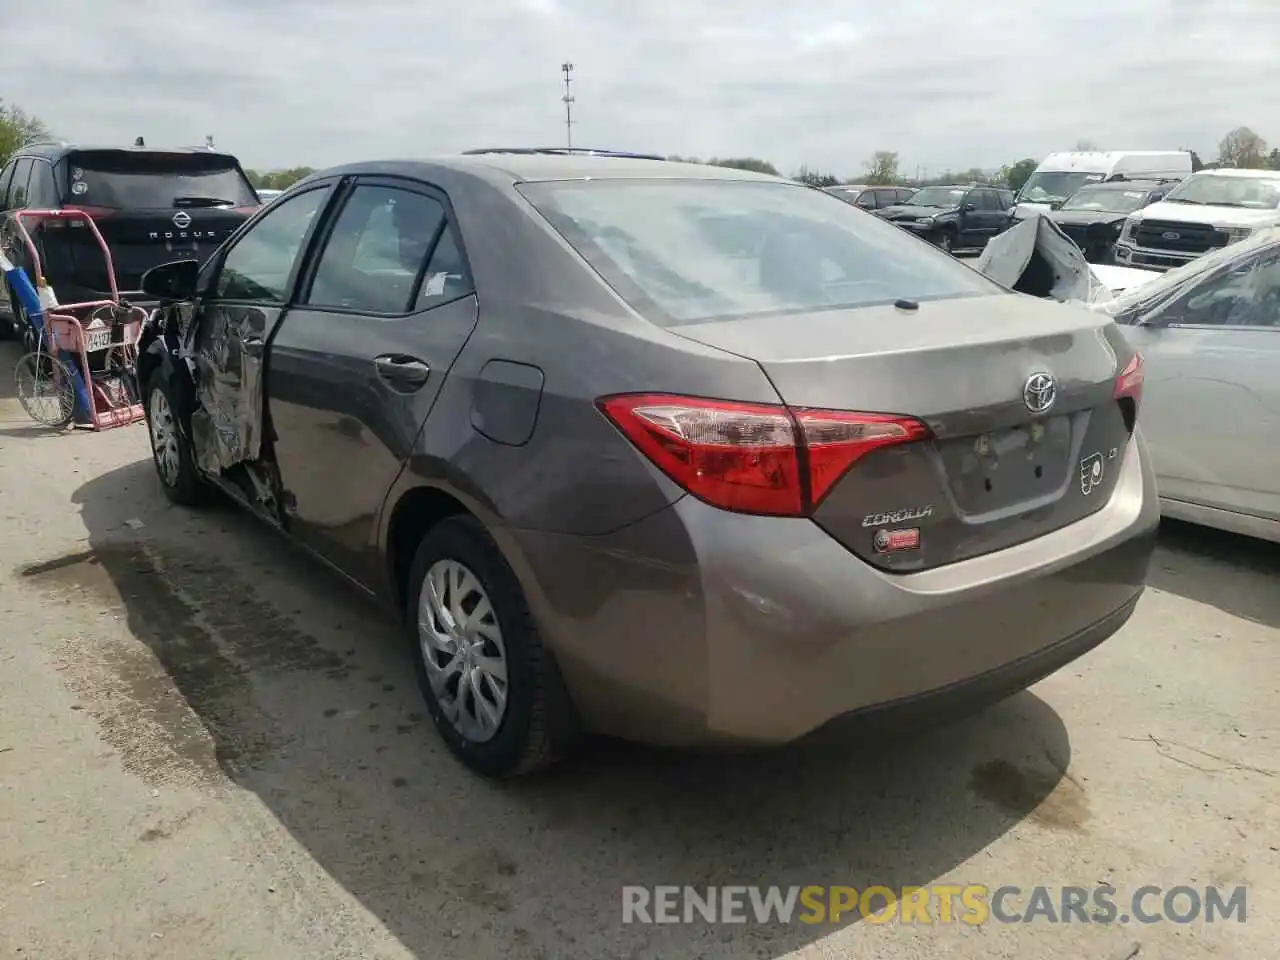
(1094, 215)
(610, 459)
(151, 205)
(1059, 175)
(871, 198)
(953, 217)
(1210, 332)
(266, 195)
(1208, 210)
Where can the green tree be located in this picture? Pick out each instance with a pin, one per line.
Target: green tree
(1196, 162)
(1016, 174)
(753, 164)
(278, 179)
(1243, 149)
(815, 179)
(18, 128)
(882, 168)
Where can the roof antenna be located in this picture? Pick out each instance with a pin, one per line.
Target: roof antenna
(139, 142)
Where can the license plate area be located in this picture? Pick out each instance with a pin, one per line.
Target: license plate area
(97, 339)
(1007, 467)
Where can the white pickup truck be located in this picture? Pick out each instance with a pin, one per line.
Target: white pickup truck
(1207, 211)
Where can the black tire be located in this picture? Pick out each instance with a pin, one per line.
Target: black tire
(539, 725)
(186, 487)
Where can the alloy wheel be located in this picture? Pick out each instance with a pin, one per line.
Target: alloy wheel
(463, 650)
(164, 438)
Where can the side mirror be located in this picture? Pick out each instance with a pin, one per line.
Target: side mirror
(970, 207)
(172, 281)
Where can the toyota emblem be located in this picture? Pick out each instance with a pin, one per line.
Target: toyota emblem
(1170, 236)
(1039, 392)
(182, 219)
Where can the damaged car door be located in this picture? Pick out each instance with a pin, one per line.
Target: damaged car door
(383, 309)
(243, 297)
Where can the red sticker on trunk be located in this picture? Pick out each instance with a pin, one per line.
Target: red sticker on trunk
(891, 541)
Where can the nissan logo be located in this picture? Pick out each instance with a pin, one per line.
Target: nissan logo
(1171, 236)
(182, 219)
(1039, 392)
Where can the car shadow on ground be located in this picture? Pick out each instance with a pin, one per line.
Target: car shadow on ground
(296, 689)
(1191, 560)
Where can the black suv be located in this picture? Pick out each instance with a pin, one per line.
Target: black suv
(152, 206)
(1095, 214)
(954, 217)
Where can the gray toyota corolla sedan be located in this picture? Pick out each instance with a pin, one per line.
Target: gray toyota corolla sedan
(661, 450)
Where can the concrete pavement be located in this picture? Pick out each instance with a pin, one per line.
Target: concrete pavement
(211, 749)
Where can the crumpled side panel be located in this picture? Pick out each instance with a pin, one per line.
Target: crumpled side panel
(1036, 257)
(226, 426)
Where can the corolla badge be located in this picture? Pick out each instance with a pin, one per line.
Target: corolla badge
(1040, 392)
(1090, 473)
(903, 515)
(182, 219)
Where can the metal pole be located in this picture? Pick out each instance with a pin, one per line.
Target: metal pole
(567, 69)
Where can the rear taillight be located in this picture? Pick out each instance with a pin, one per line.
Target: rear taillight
(1129, 383)
(749, 457)
(1129, 389)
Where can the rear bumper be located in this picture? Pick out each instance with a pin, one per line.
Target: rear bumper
(696, 626)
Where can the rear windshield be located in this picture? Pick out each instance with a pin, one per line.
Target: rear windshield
(122, 180)
(682, 251)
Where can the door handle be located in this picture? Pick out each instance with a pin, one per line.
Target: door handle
(252, 346)
(402, 371)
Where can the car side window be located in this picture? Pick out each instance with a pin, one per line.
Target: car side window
(18, 190)
(41, 190)
(6, 177)
(866, 200)
(258, 267)
(987, 201)
(905, 195)
(1246, 295)
(447, 277)
(377, 249)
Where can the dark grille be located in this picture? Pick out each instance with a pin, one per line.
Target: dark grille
(1077, 232)
(1191, 237)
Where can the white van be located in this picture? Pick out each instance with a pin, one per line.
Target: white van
(1062, 174)
(1208, 210)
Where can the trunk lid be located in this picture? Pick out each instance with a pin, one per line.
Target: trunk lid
(151, 207)
(993, 473)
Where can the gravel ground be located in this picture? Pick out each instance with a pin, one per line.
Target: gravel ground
(209, 748)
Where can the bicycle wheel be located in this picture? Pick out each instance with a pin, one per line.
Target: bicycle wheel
(46, 389)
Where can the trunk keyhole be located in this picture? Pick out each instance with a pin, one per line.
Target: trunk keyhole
(987, 484)
(1039, 472)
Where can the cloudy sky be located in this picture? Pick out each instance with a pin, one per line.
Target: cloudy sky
(819, 82)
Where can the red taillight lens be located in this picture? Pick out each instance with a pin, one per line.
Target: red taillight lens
(1129, 383)
(753, 458)
(836, 440)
